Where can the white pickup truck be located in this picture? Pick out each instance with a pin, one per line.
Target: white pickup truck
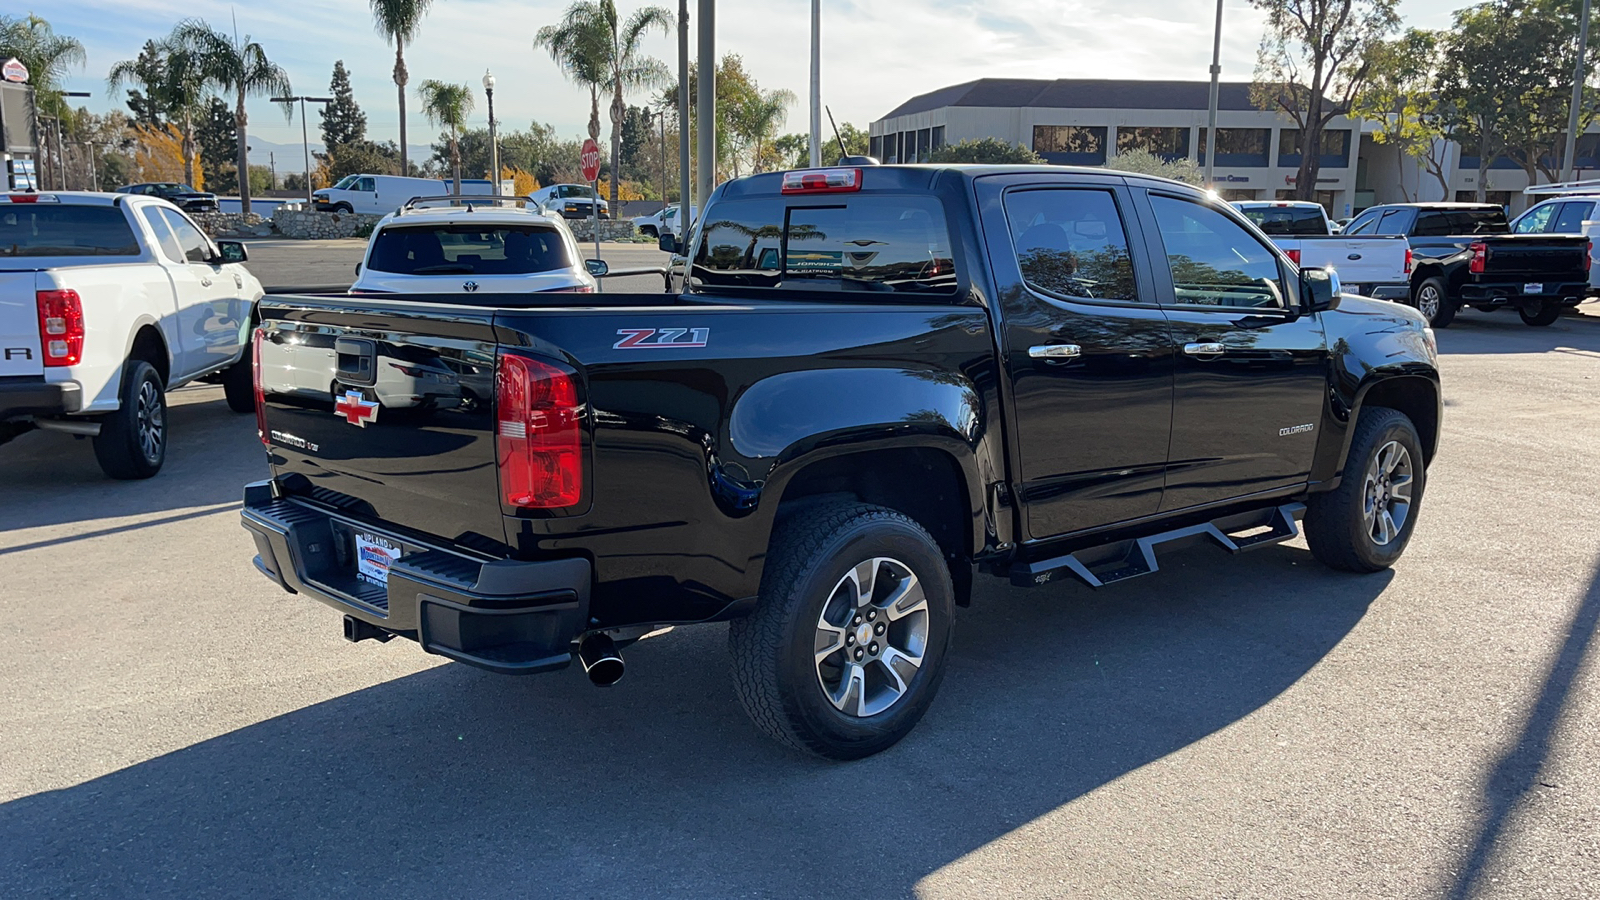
(1371, 265)
(108, 301)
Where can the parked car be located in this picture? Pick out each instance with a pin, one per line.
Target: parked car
(663, 222)
(881, 383)
(1465, 255)
(1572, 214)
(1372, 265)
(374, 195)
(571, 201)
(468, 249)
(183, 196)
(108, 301)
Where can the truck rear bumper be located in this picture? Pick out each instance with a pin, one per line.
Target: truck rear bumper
(36, 397)
(1487, 295)
(506, 616)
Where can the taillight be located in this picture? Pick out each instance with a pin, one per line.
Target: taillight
(1294, 256)
(822, 181)
(1409, 260)
(1588, 256)
(255, 382)
(538, 442)
(1480, 258)
(61, 327)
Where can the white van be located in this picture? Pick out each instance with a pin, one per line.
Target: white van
(376, 195)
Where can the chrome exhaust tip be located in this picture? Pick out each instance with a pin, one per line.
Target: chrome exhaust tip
(601, 661)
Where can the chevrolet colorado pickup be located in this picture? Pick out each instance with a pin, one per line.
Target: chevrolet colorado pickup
(1464, 254)
(878, 383)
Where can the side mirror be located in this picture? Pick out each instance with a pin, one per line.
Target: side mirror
(597, 267)
(232, 251)
(667, 242)
(358, 268)
(1319, 289)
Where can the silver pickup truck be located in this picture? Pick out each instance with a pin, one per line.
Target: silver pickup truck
(1376, 265)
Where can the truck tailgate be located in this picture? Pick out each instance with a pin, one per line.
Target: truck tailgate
(387, 414)
(1536, 257)
(20, 352)
(1363, 259)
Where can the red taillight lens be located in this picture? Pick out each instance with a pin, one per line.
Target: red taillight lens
(1588, 256)
(538, 437)
(1294, 256)
(1480, 258)
(61, 327)
(255, 381)
(1409, 260)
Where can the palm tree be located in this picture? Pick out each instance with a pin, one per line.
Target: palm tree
(761, 121)
(447, 106)
(240, 66)
(47, 55)
(399, 21)
(172, 77)
(597, 49)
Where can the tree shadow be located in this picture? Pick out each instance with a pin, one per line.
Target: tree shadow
(454, 782)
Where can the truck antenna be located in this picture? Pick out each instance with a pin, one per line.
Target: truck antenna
(842, 151)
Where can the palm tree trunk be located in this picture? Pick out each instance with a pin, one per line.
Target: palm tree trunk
(455, 160)
(242, 120)
(188, 149)
(618, 111)
(400, 79)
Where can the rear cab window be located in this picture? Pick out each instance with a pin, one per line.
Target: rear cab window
(1287, 220)
(468, 249)
(890, 243)
(1447, 222)
(31, 230)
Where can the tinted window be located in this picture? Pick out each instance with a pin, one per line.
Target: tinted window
(462, 249)
(889, 243)
(1440, 222)
(196, 248)
(1394, 221)
(55, 229)
(1214, 261)
(158, 225)
(1363, 224)
(1572, 216)
(1536, 220)
(1071, 243)
(1287, 219)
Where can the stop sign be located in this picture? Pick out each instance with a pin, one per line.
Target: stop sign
(590, 157)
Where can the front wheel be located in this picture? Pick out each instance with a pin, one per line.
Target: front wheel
(238, 385)
(1539, 313)
(649, 231)
(132, 442)
(846, 647)
(1432, 299)
(1363, 525)
(343, 208)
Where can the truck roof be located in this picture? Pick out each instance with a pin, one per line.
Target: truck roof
(923, 175)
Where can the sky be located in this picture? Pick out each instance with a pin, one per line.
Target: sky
(875, 54)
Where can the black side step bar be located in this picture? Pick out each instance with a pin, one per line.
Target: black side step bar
(1121, 560)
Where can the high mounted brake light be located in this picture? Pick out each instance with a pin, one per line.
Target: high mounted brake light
(822, 181)
(61, 327)
(538, 434)
(30, 198)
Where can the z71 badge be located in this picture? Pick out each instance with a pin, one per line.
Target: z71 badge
(661, 338)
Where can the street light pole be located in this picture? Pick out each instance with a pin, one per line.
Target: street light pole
(706, 103)
(1579, 71)
(816, 83)
(494, 143)
(305, 139)
(684, 201)
(1211, 114)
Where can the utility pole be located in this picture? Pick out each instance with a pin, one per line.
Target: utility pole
(494, 143)
(272, 163)
(816, 83)
(1211, 114)
(1579, 73)
(684, 200)
(305, 139)
(706, 103)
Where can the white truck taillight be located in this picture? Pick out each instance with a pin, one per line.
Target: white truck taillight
(255, 380)
(1410, 260)
(61, 327)
(538, 436)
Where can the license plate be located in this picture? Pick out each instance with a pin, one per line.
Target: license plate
(1533, 287)
(374, 556)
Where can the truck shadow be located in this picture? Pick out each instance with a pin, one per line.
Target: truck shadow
(1499, 332)
(452, 782)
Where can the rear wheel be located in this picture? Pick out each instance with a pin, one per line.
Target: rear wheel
(238, 385)
(132, 442)
(1539, 312)
(1432, 298)
(649, 231)
(846, 647)
(1364, 524)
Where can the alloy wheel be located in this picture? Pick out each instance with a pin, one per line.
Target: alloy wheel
(151, 420)
(1428, 301)
(1386, 497)
(871, 637)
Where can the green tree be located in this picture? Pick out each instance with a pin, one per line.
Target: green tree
(218, 136)
(596, 48)
(795, 149)
(343, 122)
(1314, 63)
(147, 72)
(988, 151)
(239, 66)
(447, 106)
(172, 75)
(48, 56)
(399, 21)
(1402, 103)
(1143, 162)
(361, 158)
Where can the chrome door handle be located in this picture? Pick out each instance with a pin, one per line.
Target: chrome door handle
(1055, 351)
(205, 282)
(1204, 349)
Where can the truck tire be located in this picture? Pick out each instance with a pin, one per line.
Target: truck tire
(132, 442)
(1539, 313)
(238, 385)
(1432, 298)
(343, 208)
(1363, 525)
(846, 647)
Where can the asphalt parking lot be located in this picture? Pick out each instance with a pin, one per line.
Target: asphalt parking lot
(171, 724)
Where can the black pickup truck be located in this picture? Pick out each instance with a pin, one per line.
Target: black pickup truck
(1464, 254)
(879, 383)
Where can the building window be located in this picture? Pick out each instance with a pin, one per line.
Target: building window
(908, 145)
(1071, 145)
(1239, 147)
(875, 147)
(938, 136)
(1335, 148)
(924, 144)
(1167, 143)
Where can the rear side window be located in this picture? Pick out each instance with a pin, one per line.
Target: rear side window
(56, 229)
(466, 249)
(1286, 220)
(1394, 221)
(889, 243)
(1441, 222)
(1071, 243)
(1572, 216)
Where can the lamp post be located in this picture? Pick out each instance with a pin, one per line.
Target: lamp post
(1211, 114)
(494, 143)
(816, 83)
(1579, 76)
(305, 139)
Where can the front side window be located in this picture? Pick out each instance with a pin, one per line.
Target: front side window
(1364, 223)
(1214, 261)
(1572, 216)
(1536, 220)
(883, 243)
(196, 247)
(1071, 243)
(1395, 221)
(60, 229)
(459, 249)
